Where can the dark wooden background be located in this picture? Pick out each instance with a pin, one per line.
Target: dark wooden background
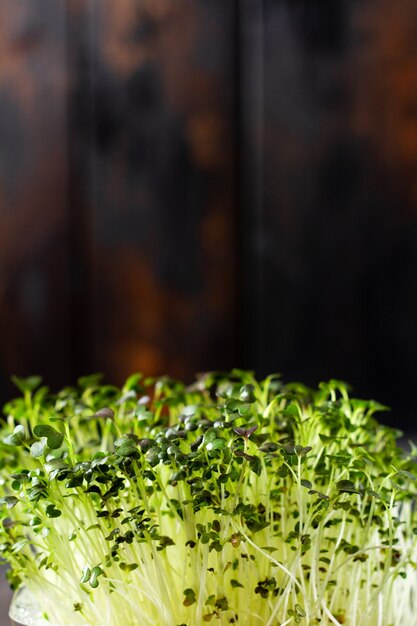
(197, 184)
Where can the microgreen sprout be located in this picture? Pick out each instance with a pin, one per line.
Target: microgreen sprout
(231, 501)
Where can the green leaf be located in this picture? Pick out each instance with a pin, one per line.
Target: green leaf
(347, 486)
(27, 384)
(85, 575)
(244, 455)
(19, 545)
(53, 437)
(373, 494)
(93, 380)
(190, 597)
(329, 438)
(256, 465)
(17, 438)
(128, 567)
(319, 494)
(222, 604)
(128, 448)
(105, 413)
(95, 573)
(9, 501)
(52, 512)
(244, 410)
(38, 448)
(245, 432)
(299, 610)
(132, 382)
(247, 394)
(22, 477)
(216, 444)
(55, 440)
(144, 415)
(209, 435)
(235, 583)
(406, 474)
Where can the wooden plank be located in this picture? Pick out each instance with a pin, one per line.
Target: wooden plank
(252, 90)
(334, 236)
(159, 179)
(34, 298)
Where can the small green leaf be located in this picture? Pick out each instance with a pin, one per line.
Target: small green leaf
(132, 382)
(222, 604)
(52, 512)
(347, 486)
(38, 448)
(319, 494)
(406, 474)
(299, 610)
(247, 394)
(190, 597)
(256, 465)
(244, 410)
(329, 439)
(235, 583)
(22, 477)
(105, 413)
(303, 451)
(17, 438)
(244, 455)
(373, 494)
(53, 437)
(128, 448)
(86, 575)
(19, 545)
(55, 440)
(128, 567)
(9, 501)
(27, 384)
(95, 573)
(216, 444)
(245, 432)
(92, 380)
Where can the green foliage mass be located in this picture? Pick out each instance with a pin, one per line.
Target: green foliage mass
(229, 501)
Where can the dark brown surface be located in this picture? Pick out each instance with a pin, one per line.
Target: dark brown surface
(117, 211)
(34, 255)
(158, 155)
(198, 184)
(334, 229)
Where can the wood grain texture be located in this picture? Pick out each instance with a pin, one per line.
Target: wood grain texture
(334, 238)
(198, 184)
(34, 294)
(156, 161)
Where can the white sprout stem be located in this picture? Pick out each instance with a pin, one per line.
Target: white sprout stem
(329, 615)
(380, 609)
(278, 564)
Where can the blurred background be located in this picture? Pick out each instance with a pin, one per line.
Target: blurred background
(200, 184)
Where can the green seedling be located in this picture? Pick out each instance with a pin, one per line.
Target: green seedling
(231, 501)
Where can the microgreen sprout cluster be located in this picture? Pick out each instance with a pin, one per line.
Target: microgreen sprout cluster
(230, 501)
